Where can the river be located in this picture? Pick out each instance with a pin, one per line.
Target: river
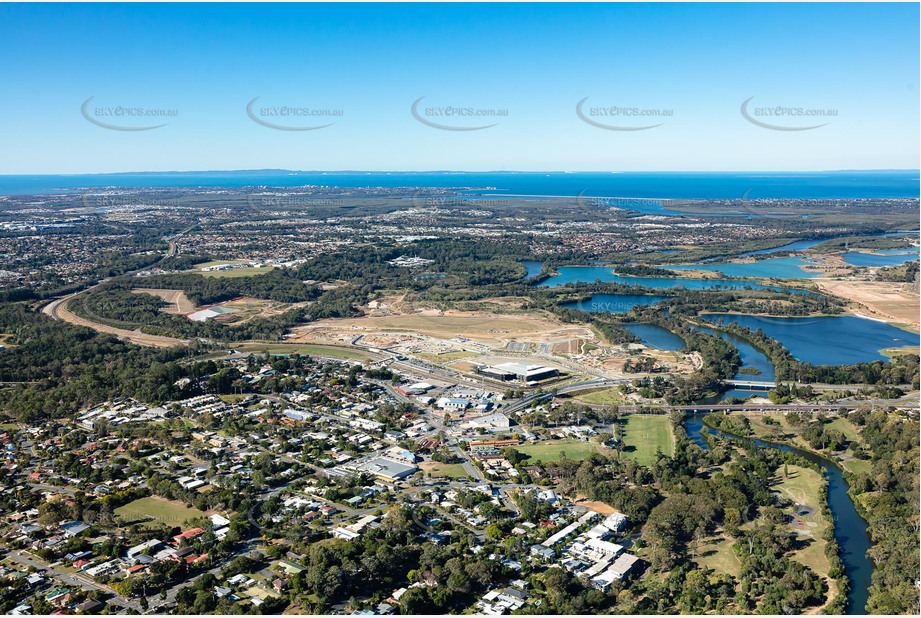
(850, 528)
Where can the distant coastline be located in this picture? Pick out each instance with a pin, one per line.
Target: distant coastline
(882, 184)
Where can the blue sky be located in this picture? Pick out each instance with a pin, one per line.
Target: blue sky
(692, 64)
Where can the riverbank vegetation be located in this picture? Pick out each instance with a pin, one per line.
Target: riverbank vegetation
(886, 496)
(884, 489)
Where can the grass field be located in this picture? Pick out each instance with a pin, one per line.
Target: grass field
(716, 553)
(643, 434)
(857, 465)
(893, 352)
(231, 398)
(248, 271)
(443, 470)
(846, 427)
(553, 450)
(168, 512)
(802, 486)
(604, 397)
(785, 432)
(300, 348)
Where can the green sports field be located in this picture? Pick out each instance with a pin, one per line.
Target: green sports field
(643, 434)
(553, 450)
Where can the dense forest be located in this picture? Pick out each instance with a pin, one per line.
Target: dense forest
(278, 284)
(119, 307)
(887, 498)
(56, 368)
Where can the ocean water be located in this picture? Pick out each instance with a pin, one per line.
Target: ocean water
(646, 187)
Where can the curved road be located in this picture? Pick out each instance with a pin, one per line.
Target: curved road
(57, 310)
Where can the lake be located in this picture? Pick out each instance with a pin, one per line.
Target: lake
(750, 357)
(880, 257)
(781, 268)
(850, 528)
(827, 340)
(605, 274)
(614, 303)
(533, 268)
(656, 337)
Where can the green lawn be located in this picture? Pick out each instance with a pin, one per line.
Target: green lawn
(168, 512)
(553, 450)
(846, 427)
(231, 398)
(857, 465)
(643, 434)
(299, 348)
(603, 397)
(716, 553)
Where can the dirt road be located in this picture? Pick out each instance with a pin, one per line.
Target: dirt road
(58, 311)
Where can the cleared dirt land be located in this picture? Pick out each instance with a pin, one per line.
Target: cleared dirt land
(491, 329)
(881, 299)
(443, 470)
(178, 302)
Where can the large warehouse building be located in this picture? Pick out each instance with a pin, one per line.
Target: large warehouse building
(388, 468)
(518, 371)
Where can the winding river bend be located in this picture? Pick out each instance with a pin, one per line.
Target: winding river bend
(850, 528)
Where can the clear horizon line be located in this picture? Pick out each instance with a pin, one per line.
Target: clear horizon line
(449, 171)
